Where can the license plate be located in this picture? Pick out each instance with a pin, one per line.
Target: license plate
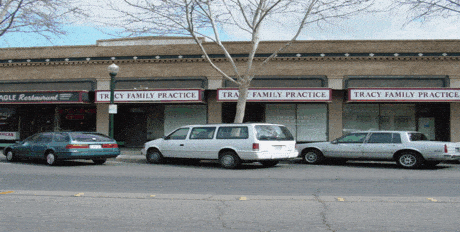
(278, 147)
(95, 147)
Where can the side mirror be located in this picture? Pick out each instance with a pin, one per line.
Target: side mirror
(334, 142)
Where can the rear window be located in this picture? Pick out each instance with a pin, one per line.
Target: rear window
(273, 132)
(202, 133)
(61, 138)
(232, 132)
(90, 137)
(384, 138)
(417, 137)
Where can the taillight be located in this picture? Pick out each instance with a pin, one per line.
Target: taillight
(445, 148)
(113, 145)
(76, 146)
(255, 146)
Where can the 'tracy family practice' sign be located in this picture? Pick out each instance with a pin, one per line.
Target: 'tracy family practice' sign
(156, 95)
(277, 94)
(404, 94)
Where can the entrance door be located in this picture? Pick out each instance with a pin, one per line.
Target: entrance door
(426, 126)
(135, 130)
(35, 119)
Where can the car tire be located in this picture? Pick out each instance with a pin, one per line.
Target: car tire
(269, 163)
(229, 160)
(154, 156)
(99, 161)
(409, 159)
(10, 156)
(312, 156)
(51, 158)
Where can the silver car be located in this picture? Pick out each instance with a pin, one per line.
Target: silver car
(410, 149)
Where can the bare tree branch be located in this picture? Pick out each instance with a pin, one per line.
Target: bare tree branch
(428, 9)
(43, 17)
(208, 18)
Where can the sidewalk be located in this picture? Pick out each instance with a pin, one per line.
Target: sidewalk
(127, 151)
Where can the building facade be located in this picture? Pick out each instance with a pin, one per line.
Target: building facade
(319, 89)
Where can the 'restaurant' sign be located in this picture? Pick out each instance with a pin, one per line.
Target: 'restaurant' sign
(155, 95)
(277, 94)
(44, 97)
(404, 94)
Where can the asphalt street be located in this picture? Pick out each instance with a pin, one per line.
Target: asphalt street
(128, 194)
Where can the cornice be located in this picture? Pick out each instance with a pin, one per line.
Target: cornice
(236, 57)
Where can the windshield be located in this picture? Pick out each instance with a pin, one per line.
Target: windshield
(417, 137)
(273, 132)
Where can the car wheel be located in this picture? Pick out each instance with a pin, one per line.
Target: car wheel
(409, 160)
(229, 160)
(154, 156)
(51, 158)
(312, 157)
(10, 156)
(99, 161)
(269, 163)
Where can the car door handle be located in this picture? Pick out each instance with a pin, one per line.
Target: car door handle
(181, 145)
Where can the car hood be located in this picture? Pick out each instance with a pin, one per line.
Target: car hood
(155, 141)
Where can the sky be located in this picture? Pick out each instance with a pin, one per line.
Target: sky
(372, 26)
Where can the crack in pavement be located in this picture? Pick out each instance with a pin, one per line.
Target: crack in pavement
(323, 212)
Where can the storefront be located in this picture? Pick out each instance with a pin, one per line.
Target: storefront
(418, 109)
(303, 110)
(25, 113)
(144, 115)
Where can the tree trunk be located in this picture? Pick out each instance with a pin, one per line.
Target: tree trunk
(241, 104)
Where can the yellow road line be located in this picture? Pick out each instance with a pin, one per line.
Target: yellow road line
(340, 199)
(7, 192)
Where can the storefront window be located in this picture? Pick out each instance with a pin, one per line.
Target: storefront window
(77, 118)
(307, 122)
(9, 131)
(180, 115)
(312, 122)
(377, 116)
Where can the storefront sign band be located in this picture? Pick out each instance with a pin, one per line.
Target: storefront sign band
(275, 95)
(157, 95)
(44, 97)
(404, 94)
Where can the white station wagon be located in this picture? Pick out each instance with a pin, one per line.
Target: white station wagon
(230, 144)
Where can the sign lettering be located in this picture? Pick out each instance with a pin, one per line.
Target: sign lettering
(284, 94)
(404, 94)
(167, 95)
(44, 97)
